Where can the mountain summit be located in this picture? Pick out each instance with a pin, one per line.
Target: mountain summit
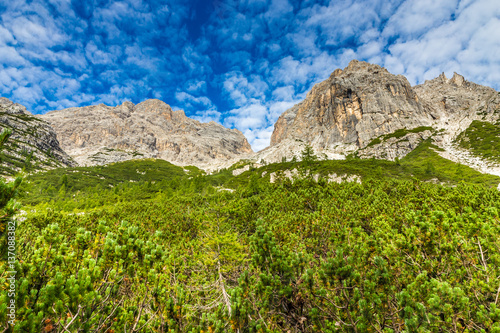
(101, 134)
(366, 111)
(350, 108)
(361, 110)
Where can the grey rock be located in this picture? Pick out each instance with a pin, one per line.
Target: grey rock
(30, 136)
(344, 113)
(101, 134)
(353, 106)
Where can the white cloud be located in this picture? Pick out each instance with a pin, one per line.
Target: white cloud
(192, 101)
(35, 35)
(247, 117)
(278, 8)
(466, 45)
(207, 116)
(284, 93)
(100, 57)
(290, 71)
(415, 17)
(196, 86)
(138, 57)
(259, 139)
(11, 57)
(242, 89)
(5, 36)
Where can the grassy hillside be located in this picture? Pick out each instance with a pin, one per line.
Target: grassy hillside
(146, 246)
(298, 257)
(423, 163)
(483, 139)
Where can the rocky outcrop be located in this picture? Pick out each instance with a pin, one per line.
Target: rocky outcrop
(358, 106)
(394, 147)
(101, 134)
(456, 102)
(33, 144)
(352, 107)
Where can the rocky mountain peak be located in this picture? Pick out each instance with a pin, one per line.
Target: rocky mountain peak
(101, 134)
(458, 80)
(12, 108)
(367, 110)
(354, 105)
(154, 106)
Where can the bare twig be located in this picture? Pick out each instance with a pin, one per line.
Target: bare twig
(140, 309)
(484, 262)
(498, 292)
(224, 293)
(112, 312)
(73, 319)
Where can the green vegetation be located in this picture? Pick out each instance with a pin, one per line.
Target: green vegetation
(482, 139)
(87, 187)
(423, 163)
(8, 205)
(399, 134)
(146, 246)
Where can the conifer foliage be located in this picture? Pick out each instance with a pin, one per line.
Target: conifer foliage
(8, 205)
(301, 256)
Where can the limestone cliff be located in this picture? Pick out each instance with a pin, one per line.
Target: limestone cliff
(353, 106)
(33, 144)
(365, 109)
(101, 134)
(455, 104)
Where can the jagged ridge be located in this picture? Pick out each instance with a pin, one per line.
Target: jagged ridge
(100, 134)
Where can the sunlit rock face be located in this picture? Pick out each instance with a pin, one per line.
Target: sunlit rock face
(354, 105)
(101, 134)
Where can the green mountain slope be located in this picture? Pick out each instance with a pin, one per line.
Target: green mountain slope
(482, 139)
(147, 246)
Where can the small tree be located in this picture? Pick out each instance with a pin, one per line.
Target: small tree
(308, 158)
(308, 155)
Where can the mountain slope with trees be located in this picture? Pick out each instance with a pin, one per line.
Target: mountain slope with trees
(148, 246)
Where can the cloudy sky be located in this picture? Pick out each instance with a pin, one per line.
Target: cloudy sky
(240, 63)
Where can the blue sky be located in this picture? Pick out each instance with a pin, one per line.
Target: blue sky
(240, 63)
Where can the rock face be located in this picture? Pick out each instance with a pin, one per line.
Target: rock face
(33, 144)
(352, 107)
(100, 134)
(395, 147)
(455, 103)
(358, 108)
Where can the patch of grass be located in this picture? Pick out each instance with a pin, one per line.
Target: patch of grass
(423, 163)
(111, 174)
(482, 139)
(374, 142)
(87, 179)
